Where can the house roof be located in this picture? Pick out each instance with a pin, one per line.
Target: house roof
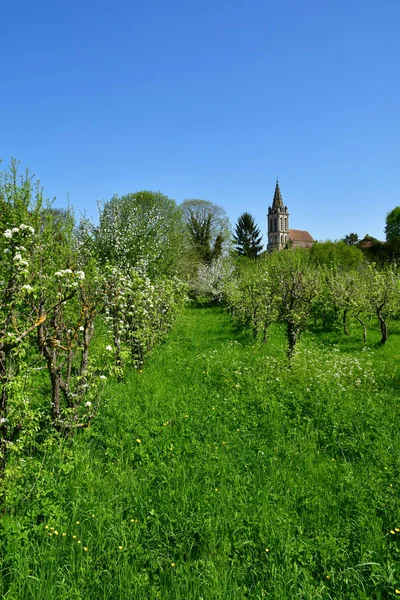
(298, 235)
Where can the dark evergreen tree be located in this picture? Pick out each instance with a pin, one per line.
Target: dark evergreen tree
(247, 237)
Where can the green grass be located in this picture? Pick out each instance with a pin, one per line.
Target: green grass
(219, 473)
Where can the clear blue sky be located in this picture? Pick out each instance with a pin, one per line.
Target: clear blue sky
(209, 100)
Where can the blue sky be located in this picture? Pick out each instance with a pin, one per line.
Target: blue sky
(209, 100)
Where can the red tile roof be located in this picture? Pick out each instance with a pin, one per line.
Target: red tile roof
(297, 235)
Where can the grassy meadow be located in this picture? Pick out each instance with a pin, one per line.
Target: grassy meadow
(218, 473)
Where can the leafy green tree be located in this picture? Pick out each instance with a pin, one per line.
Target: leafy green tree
(207, 229)
(392, 228)
(351, 239)
(247, 237)
(336, 254)
(299, 283)
(383, 287)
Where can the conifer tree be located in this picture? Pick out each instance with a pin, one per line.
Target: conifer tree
(248, 238)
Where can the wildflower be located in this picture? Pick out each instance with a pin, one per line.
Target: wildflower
(139, 441)
(64, 534)
(88, 404)
(103, 377)
(173, 565)
(80, 274)
(266, 549)
(81, 328)
(74, 536)
(77, 522)
(56, 533)
(14, 230)
(79, 542)
(120, 547)
(109, 348)
(7, 233)
(397, 591)
(85, 549)
(17, 256)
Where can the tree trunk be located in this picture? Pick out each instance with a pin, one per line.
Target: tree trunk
(292, 335)
(346, 331)
(55, 397)
(363, 326)
(383, 326)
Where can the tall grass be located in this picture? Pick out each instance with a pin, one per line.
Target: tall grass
(220, 473)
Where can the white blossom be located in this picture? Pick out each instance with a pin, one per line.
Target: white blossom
(88, 404)
(7, 233)
(109, 348)
(27, 228)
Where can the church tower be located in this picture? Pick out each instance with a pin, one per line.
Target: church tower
(277, 222)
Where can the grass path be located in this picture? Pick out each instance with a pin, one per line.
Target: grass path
(217, 473)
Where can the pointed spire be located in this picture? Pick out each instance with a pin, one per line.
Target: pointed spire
(277, 202)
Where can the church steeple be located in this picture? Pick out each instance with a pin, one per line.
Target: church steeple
(277, 203)
(277, 222)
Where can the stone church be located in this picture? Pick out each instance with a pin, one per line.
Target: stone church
(279, 234)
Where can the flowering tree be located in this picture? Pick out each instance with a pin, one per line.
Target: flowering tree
(141, 230)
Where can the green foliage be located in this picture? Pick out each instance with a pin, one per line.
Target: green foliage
(247, 237)
(351, 239)
(392, 228)
(337, 254)
(207, 228)
(283, 286)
